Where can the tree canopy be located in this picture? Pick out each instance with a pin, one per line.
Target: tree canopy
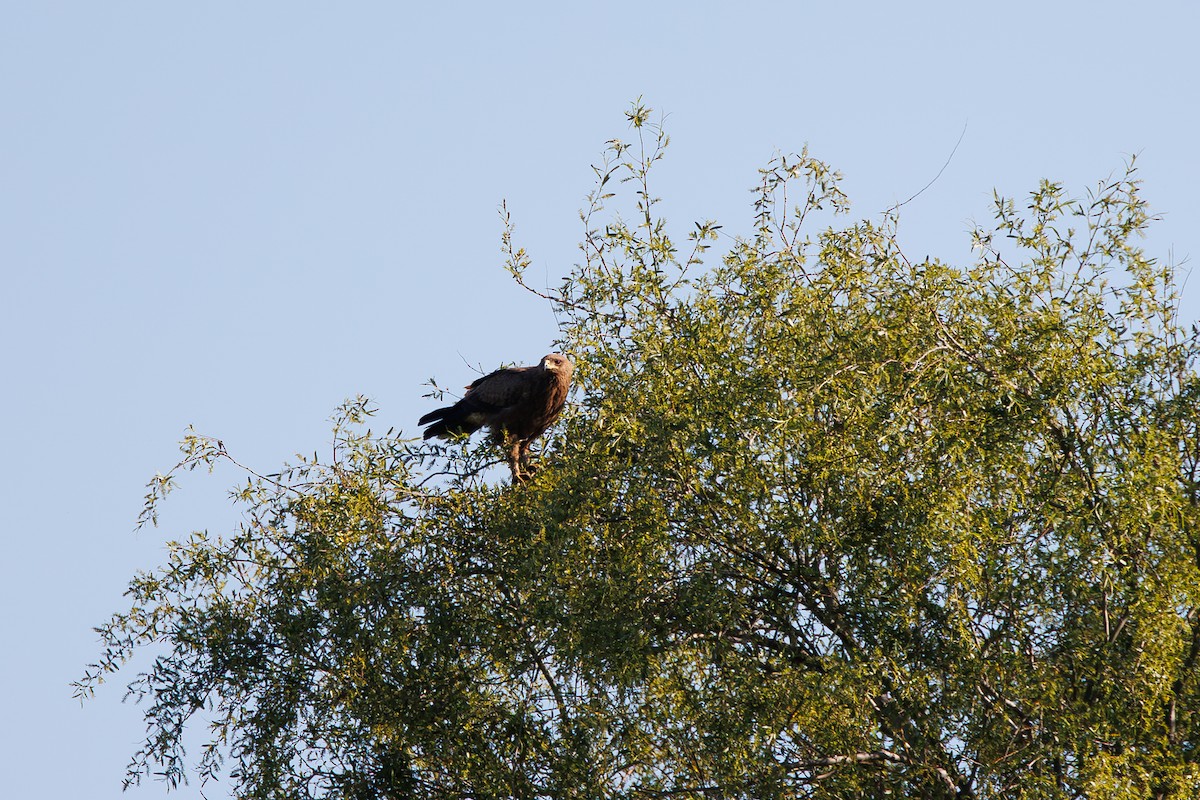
(822, 521)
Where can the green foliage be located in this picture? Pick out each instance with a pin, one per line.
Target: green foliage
(822, 522)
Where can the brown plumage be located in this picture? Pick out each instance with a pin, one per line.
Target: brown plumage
(518, 404)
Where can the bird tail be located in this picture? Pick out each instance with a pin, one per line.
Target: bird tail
(438, 429)
(446, 424)
(433, 416)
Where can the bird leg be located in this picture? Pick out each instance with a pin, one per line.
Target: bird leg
(514, 450)
(526, 465)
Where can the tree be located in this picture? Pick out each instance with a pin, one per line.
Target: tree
(821, 522)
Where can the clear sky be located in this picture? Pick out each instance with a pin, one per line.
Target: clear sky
(235, 215)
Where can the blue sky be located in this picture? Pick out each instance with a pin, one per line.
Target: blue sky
(236, 215)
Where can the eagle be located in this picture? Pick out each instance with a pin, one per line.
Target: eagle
(517, 404)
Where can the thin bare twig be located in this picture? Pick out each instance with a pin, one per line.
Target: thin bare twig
(949, 158)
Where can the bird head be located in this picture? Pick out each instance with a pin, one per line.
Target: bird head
(557, 363)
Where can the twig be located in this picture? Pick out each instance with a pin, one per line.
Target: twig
(935, 177)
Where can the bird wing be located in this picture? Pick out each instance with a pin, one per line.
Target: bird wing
(501, 389)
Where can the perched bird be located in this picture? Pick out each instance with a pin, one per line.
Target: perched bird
(517, 404)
